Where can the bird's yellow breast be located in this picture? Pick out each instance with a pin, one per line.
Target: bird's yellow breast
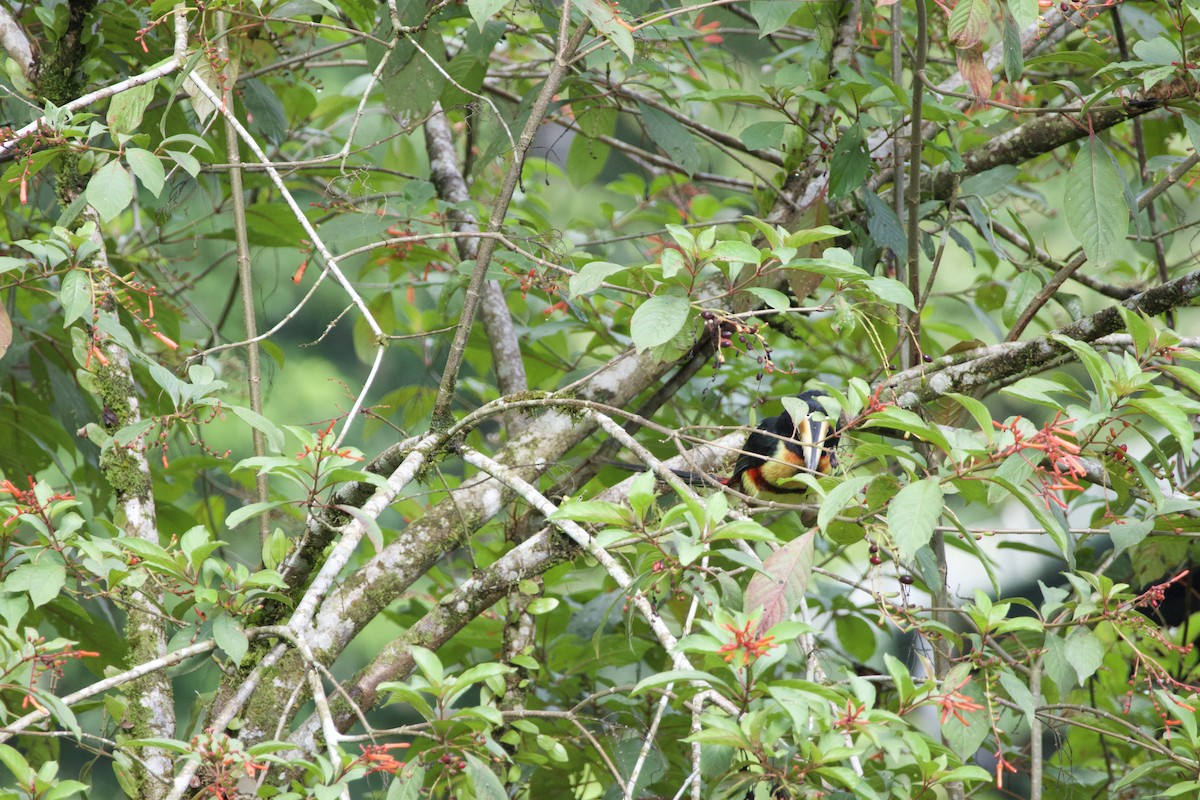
(781, 466)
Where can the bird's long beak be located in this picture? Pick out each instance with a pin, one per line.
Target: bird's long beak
(811, 435)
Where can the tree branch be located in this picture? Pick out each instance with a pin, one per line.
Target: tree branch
(474, 294)
(980, 369)
(497, 320)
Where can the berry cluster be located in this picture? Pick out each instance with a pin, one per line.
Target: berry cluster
(749, 342)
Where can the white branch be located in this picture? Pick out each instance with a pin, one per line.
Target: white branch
(584, 539)
(16, 42)
(331, 262)
(353, 532)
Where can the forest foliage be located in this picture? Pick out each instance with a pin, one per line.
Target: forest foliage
(327, 329)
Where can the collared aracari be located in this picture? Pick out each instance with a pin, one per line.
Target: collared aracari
(781, 448)
(778, 449)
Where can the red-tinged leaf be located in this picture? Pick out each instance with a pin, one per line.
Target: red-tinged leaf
(968, 22)
(974, 71)
(778, 589)
(5, 331)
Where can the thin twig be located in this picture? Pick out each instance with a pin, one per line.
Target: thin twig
(474, 292)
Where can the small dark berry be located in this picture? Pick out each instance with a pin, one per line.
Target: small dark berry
(876, 561)
(874, 548)
(927, 358)
(907, 580)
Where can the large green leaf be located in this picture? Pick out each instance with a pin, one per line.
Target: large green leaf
(658, 320)
(110, 190)
(1094, 202)
(912, 515)
(671, 137)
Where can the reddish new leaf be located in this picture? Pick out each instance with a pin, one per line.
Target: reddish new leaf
(968, 22)
(974, 71)
(778, 589)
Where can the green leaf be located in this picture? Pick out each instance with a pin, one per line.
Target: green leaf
(1170, 416)
(1025, 12)
(890, 290)
(669, 135)
(913, 514)
(407, 784)
(1185, 788)
(1019, 693)
(658, 320)
(968, 22)
(1094, 202)
(134, 431)
(964, 738)
(856, 635)
(905, 420)
(1098, 369)
(746, 529)
(772, 298)
(607, 20)
(983, 417)
(110, 190)
(251, 510)
(839, 497)
(260, 423)
(1021, 292)
(430, 665)
(125, 110)
(76, 296)
(883, 224)
(1084, 652)
(598, 511)
(771, 15)
(821, 233)
(8, 263)
(674, 676)
(482, 780)
(229, 636)
(411, 81)
(589, 278)
(848, 165)
(736, 252)
(1159, 50)
(1129, 533)
(542, 605)
(586, 159)
(64, 789)
(189, 163)
(148, 169)
(763, 135)
(17, 765)
(1049, 522)
(42, 580)
(1014, 58)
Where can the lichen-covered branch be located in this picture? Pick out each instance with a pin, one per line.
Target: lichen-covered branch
(981, 369)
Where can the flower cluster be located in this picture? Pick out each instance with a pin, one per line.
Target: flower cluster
(746, 644)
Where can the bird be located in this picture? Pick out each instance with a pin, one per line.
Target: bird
(781, 448)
